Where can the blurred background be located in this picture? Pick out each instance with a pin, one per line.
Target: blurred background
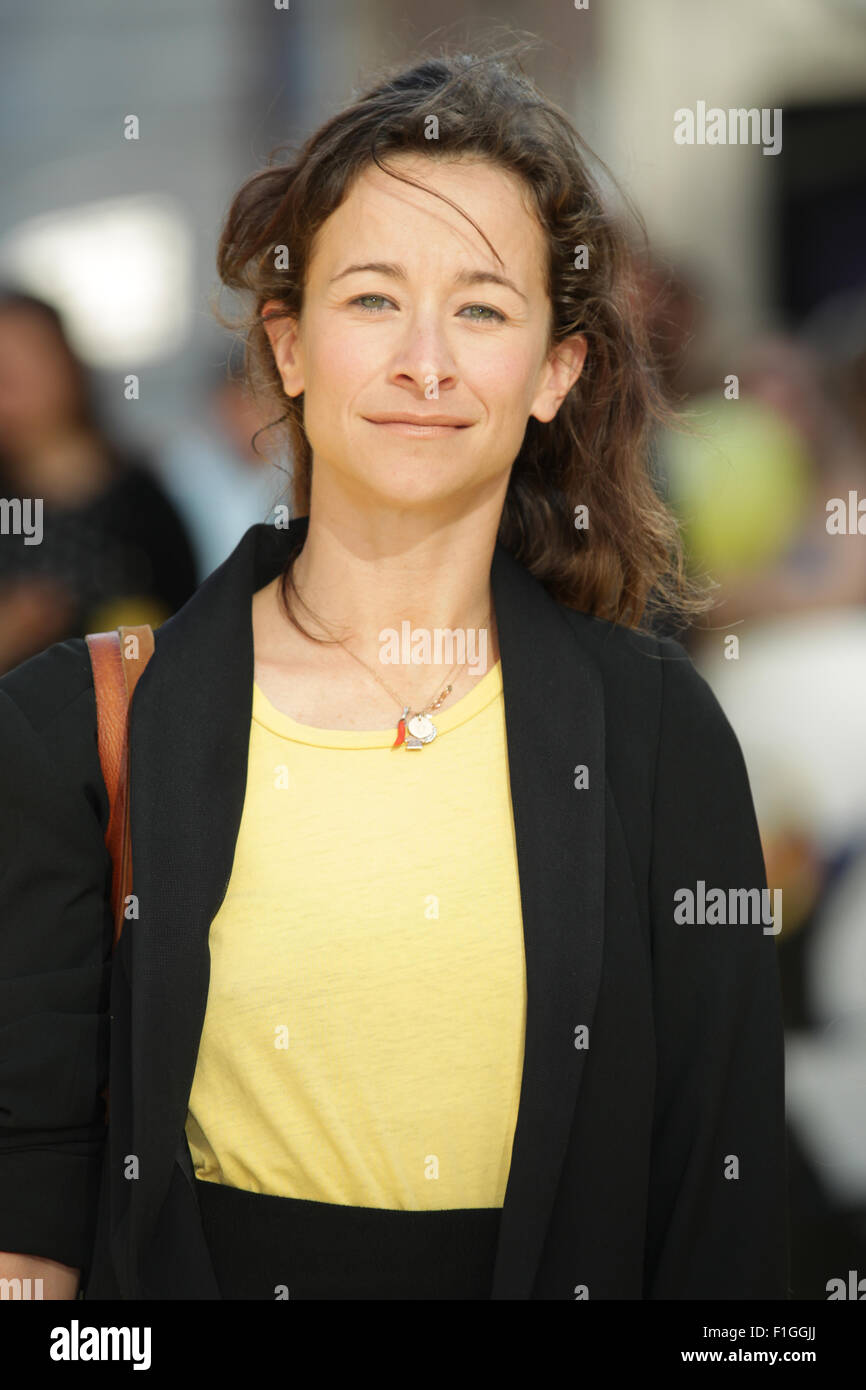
(118, 409)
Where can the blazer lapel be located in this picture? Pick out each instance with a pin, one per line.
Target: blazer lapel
(189, 743)
(189, 740)
(554, 717)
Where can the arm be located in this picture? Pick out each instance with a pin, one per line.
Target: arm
(55, 945)
(717, 1215)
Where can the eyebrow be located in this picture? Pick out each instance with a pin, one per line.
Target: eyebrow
(464, 277)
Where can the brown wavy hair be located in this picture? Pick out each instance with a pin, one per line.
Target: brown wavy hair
(628, 565)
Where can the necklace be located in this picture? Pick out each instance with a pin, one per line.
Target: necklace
(414, 729)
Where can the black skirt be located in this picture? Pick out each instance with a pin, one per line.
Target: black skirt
(277, 1247)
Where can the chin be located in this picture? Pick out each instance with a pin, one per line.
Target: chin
(419, 487)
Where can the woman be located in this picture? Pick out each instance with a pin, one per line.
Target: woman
(108, 546)
(407, 1005)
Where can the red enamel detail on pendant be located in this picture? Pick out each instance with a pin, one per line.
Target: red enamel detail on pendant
(401, 733)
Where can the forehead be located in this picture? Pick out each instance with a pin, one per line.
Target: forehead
(384, 218)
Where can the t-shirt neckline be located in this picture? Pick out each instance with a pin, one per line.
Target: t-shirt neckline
(487, 688)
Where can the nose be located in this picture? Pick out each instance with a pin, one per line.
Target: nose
(423, 356)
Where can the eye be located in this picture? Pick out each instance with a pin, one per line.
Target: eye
(364, 307)
(497, 316)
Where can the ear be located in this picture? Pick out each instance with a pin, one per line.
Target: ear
(563, 367)
(284, 337)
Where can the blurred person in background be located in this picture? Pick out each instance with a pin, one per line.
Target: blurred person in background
(673, 302)
(224, 475)
(756, 505)
(113, 549)
(753, 499)
(752, 494)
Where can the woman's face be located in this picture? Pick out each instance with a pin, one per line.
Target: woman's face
(38, 388)
(413, 336)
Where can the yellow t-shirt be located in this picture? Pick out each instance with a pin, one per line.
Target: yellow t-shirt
(364, 1033)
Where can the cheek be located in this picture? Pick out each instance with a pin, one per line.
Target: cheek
(339, 362)
(504, 378)
(335, 371)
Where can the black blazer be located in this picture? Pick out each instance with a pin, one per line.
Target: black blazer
(620, 1185)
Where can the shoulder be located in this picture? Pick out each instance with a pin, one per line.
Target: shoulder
(46, 684)
(652, 666)
(48, 719)
(658, 707)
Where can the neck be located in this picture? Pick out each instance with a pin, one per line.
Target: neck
(385, 587)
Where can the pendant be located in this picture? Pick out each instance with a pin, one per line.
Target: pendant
(414, 732)
(401, 729)
(421, 730)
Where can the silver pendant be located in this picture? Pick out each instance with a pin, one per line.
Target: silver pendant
(420, 729)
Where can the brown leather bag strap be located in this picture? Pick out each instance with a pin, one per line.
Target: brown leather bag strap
(118, 659)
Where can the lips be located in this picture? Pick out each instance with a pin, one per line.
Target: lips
(420, 427)
(396, 419)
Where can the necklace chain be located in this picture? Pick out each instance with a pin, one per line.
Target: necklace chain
(428, 708)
